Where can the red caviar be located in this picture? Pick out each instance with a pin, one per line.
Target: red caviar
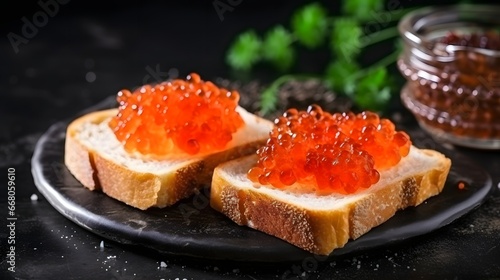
(377, 136)
(335, 153)
(180, 116)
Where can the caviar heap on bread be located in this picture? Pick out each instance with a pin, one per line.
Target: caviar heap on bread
(328, 153)
(323, 179)
(180, 116)
(162, 142)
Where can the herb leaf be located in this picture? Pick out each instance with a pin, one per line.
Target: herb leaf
(277, 48)
(369, 86)
(245, 51)
(268, 100)
(373, 91)
(309, 25)
(340, 76)
(346, 39)
(362, 9)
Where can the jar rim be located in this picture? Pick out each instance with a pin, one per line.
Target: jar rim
(411, 26)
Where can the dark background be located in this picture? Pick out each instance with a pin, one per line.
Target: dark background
(122, 42)
(90, 50)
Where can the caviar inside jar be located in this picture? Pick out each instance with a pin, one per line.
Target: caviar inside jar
(457, 88)
(177, 117)
(488, 40)
(451, 61)
(339, 153)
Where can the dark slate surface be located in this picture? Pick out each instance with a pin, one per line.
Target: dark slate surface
(84, 54)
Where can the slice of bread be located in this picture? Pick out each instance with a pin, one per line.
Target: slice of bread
(320, 224)
(98, 160)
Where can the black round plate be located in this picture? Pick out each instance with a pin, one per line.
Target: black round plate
(192, 228)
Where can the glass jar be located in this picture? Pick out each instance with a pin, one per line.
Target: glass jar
(451, 61)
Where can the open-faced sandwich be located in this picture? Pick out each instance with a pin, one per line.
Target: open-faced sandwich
(162, 142)
(324, 179)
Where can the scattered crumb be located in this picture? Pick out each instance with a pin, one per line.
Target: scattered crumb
(397, 117)
(111, 257)
(34, 197)
(163, 264)
(101, 245)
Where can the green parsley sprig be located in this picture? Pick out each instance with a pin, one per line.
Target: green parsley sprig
(370, 87)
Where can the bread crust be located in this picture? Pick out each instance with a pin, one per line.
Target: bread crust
(322, 231)
(140, 189)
